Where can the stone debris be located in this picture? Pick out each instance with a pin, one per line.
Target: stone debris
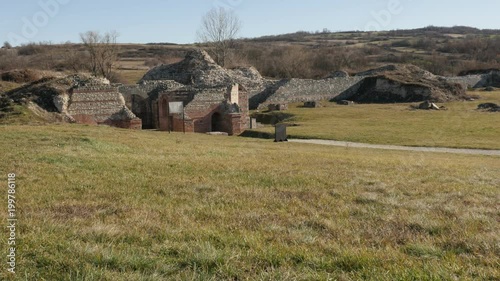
(345, 102)
(491, 107)
(78, 98)
(198, 69)
(277, 107)
(427, 105)
(391, 83)
(217, 134)
(482, 78)
(312, 104)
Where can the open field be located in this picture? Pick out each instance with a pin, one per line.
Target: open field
(131, 76)
(461, 126)
(97, 203)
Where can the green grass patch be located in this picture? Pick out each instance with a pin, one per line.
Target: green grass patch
(19, 114)
(461, 126)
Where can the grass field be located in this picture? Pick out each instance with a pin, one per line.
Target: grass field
(130, 76)
(98, 203)
(460, 126)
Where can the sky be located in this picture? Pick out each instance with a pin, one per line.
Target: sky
(176, 21)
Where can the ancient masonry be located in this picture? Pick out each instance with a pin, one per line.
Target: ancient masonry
(100, 104)
(206, 110)
(222, 109)
(301, 90)
(142, 99)
(204, 88)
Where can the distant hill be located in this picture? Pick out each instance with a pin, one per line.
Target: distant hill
(440, 50)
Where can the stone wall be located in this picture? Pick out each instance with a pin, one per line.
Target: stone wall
(301, 90)
(244, 110)
(100, 104)
(491, 79)
(147, 88)
(469, 81)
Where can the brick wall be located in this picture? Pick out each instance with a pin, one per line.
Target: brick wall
(201, 105)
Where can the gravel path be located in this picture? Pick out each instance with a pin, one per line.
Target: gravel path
(398, 147)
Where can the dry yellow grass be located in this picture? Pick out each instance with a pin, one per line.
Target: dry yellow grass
(98, 203)
(130, 76)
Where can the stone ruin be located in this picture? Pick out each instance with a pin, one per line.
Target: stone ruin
(78, 98)
(199, 75)
(223, 110)
(489, 78)
(402, 83)
(97, 103)
(215, 99)
(218, 99)
(199, 70)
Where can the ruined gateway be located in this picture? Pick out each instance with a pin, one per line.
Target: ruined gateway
(214, 99)
(205, 110)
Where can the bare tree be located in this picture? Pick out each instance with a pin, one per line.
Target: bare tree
(103, 51)
(219, 28)
(74, 60)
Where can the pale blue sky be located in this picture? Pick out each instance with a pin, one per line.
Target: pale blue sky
(177, 21)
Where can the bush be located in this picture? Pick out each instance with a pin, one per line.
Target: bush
(9, 59)
(21, 76)
(33, 49)
(116, 77)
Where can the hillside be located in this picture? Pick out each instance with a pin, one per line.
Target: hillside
(442, 51)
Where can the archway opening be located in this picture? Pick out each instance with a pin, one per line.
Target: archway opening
(164, 108)
(216, 122)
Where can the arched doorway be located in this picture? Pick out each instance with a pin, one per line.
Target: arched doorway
(163, 115)
(164, 108)
(216, 122)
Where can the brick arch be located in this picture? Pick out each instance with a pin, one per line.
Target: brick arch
(216, 122)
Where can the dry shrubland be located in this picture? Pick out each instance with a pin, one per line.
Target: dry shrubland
(299, 55)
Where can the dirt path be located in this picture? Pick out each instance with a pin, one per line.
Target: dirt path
(398, 147)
